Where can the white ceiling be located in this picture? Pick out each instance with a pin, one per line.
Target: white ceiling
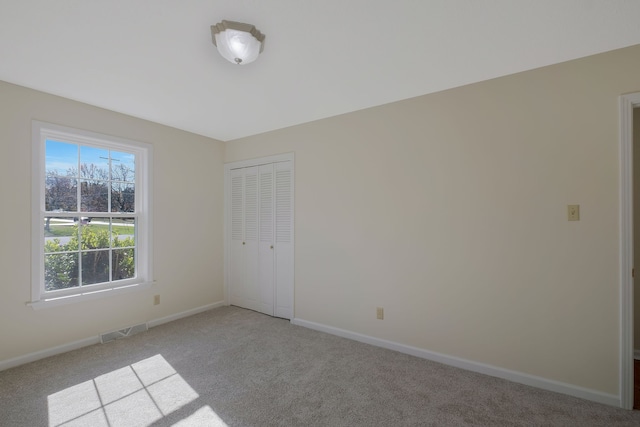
(154, 59)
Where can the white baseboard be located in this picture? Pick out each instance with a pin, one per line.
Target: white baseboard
(518, 377)
(37, 355)
(171, 318)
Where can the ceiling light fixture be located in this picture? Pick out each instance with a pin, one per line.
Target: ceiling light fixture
(237, 42)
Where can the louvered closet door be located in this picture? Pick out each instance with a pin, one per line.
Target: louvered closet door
(251, 251)
(284, 239)
(236, 275)
(244, 238)
(266, 277)
(261, 250)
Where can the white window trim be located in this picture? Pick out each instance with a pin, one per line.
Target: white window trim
(144, 245)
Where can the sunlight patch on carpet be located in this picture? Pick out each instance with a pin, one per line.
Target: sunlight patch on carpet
(204, 416)
(136, 395)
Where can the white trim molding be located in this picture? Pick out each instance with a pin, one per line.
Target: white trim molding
(285, 157)
(183, 314)
(627, 104)
(87, 296)
(48, 352)
(494, 371)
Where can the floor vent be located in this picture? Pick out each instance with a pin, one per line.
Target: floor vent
(123, 333)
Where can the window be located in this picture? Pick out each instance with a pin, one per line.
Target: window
(91, 215)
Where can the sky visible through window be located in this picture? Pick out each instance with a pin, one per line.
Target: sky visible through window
(62, 157)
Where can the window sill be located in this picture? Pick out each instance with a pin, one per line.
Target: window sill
(87, 296)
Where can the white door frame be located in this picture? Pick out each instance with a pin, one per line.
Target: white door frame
(627, 104)
(286, 157)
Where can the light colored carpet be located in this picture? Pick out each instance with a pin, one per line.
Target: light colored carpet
(235, 367)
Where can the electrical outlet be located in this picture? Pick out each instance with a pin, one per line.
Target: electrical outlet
(380, 313)
(573, 212)
(156, 299)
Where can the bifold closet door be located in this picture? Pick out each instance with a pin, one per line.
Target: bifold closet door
(244, 242)
(284, 239)
(261, 267)
(266, 271)
(252, 243)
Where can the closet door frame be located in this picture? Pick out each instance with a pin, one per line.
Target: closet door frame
(228, 167)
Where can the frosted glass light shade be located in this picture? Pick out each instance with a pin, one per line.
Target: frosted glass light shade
(237, 42)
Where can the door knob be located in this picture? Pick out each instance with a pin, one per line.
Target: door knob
(243, 243)
(271, 246)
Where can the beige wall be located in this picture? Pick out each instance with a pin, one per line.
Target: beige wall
(450, 211)
(188, 244)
